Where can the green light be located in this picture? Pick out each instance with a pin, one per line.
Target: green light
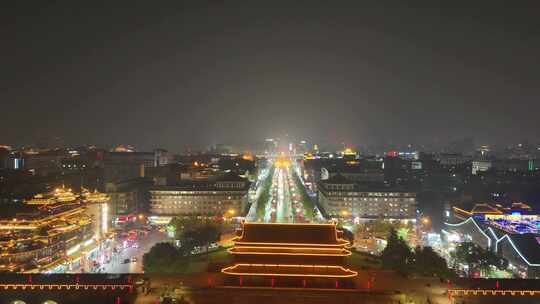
(402, 233)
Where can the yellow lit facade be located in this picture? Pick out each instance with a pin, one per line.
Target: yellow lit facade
(52, 226)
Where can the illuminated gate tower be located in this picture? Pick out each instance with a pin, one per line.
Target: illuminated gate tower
(289, 255)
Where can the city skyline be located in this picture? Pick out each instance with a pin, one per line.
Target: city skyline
(269, 152)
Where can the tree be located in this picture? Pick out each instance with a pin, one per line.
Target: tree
(308, 204)
(163, 257)
(427, 262)
(264, 195)
(497, 261)
(194, 232)
(476, 258)
(488, 260)
(468, 254)
(180, 224)
(397, 254)
(202, 236)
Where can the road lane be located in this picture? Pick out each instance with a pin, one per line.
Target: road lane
(117, 265)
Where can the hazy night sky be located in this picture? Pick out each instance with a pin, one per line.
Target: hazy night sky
(190, 75)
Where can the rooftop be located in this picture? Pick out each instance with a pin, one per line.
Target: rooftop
(303, 234)
(213, 185)
(290, 270)
(485, 209)
(528, 246)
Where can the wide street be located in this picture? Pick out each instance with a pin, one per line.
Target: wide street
(283, 197)
(284, 204)
(117, 265)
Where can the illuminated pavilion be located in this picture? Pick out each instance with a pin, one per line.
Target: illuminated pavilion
(289, 255)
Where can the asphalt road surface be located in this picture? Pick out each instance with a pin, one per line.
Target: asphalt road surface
(117, 265)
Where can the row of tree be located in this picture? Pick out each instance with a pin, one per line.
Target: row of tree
(380, 228)
(195, 232)
(421, 261)
(191, 233)
(307, 202)
(165, 258)
(477, 259)
(264, 196)
(425, 261)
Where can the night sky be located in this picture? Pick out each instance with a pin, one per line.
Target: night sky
(196, 74)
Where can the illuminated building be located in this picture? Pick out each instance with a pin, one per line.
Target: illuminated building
(512, 232)
(5, 152)
(121, 166)
(59, 195)
(282, 162)
(128, 198)
(349, 154)
(161, 157)
(43, 162)
(302, 147)
(308, 156)
(122, 148)
(209, 198)
(483, 152)
(271, 145)
(392, 153)
(247, 156)
(480, 166)
(291, 254)
(97, 206)
(361, 172)
(51, 229)
(452, 159)
(396, 168)
(341, 197)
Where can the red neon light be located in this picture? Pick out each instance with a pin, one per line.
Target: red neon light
(273, 282)
(337, 284)
(304, 283)
(241, 281)
(392, 153)
(497, 285)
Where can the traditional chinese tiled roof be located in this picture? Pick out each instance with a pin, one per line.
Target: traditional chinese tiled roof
(290, 270)
(323, 234)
